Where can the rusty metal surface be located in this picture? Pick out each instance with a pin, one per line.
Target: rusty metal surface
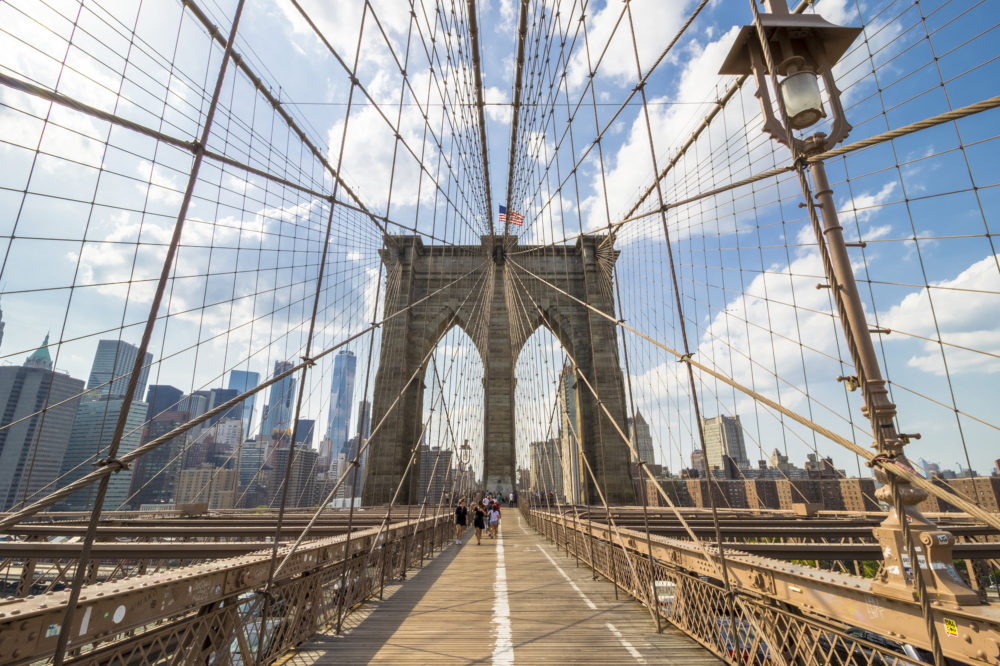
(181, 611)
(219, 549)
(799, 606)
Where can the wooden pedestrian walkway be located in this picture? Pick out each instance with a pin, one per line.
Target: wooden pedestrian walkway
(512, 600)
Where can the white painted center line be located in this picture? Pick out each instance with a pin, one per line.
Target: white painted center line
(503, 647)
(625, 644)
(590, 604)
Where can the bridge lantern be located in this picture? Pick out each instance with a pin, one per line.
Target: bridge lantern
(800, 49)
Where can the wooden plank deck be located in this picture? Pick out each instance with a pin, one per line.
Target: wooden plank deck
(512, 600)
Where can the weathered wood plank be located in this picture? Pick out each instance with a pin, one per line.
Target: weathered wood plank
(448, 613)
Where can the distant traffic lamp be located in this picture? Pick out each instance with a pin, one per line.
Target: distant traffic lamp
(803, 49)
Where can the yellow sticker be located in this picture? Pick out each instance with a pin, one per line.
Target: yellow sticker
(950, 627)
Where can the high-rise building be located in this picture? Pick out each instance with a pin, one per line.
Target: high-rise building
(301, 479)
(435, 473)
(251, 461)
(207, 484)
(341, 398)
(724, 447)
(641, 438)
(194, 404)
(546, 468)
(92, 432)
(162, 398)
(219, 396)
(280, 404)
(569, 434)
(113, 364)
(364, 419)
(243, 381)
(31, 451)
(698, 461)
(154, 475)
(304, 432)
(40, 358)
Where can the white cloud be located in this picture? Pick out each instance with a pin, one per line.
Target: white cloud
(863, 206)
(964, 309)
(632, 164)
(652, 20)
(498, 107)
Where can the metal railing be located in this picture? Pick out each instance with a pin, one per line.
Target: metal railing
(739, 626)
(218, 612)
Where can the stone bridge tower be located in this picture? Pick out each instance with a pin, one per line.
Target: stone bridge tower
(479, 287)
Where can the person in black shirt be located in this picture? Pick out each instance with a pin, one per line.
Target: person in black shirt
(479, 522)
(461, 517)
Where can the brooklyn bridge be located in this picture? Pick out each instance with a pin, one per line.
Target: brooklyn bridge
(700, 297)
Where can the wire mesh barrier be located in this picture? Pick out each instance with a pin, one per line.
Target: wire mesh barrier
(773, 613)
(218, 612)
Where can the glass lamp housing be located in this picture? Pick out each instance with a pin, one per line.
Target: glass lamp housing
(803, 102)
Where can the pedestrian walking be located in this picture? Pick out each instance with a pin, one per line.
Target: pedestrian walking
(479, 522)
(494, 520)
(461, 518)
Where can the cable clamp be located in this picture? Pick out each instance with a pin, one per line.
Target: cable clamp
(881, 459)
(685, 358)
(309, 361)
(116, 464)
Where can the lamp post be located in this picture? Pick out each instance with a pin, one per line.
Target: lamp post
(795, 52)
(464, 455)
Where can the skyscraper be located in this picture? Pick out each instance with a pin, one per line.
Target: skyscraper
(435, 474)
(96, 419)
(301, 479)
(113, 363)
(31, 451)
(154, 475)
(280, 403)
(243, 381)
(546, 468)
(341, 398)
(162, 398)
(569, 433)
(218, 396)
(641, 438)
(92, 432)
(364, 419)
(724, 447)
(304, 432)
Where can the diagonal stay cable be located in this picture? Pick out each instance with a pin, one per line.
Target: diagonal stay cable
(126, 458)
(364, 447)
(890, 467)
(624, 437)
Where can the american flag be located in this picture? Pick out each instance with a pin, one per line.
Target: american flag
(515, 217)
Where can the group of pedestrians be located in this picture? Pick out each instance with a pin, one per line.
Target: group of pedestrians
(485, 516)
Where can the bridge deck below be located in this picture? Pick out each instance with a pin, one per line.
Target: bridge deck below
(513, 600)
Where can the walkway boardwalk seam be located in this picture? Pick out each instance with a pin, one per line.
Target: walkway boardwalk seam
(450, 612)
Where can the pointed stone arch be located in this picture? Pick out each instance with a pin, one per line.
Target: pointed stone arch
(499, 305)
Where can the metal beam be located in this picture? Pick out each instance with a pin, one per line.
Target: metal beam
(838, 598)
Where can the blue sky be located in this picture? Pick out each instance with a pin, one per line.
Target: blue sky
(85, 242)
